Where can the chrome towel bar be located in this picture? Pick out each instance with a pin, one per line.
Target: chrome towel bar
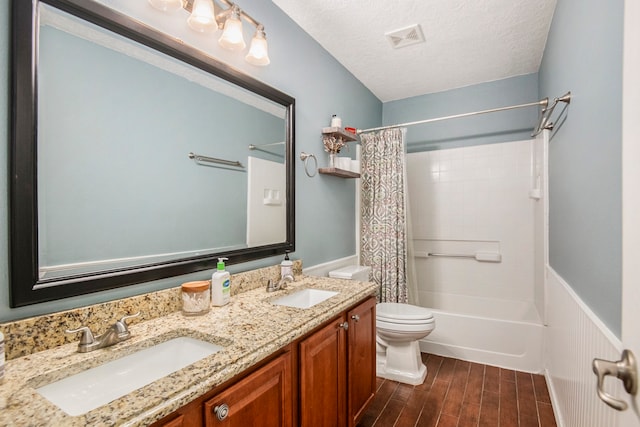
(200, 158)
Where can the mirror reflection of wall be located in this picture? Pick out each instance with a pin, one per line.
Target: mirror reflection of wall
(115, 184)
(265, 202)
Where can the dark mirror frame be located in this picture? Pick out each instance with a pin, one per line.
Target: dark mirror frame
(25, 285)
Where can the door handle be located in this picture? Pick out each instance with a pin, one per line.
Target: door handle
(625, 369)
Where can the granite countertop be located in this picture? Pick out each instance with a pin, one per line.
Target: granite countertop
(249, 328)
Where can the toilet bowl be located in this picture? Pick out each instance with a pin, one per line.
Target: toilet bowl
(399, 328)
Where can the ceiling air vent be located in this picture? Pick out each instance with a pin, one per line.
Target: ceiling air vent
(405, 36)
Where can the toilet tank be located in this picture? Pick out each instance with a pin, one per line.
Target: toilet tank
(352, 272)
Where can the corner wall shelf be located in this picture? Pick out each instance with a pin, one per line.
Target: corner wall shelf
(339, 133)
(336, 133)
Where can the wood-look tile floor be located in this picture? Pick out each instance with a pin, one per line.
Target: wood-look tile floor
(462, 394)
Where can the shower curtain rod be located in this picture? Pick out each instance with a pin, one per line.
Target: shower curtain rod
(543, 102)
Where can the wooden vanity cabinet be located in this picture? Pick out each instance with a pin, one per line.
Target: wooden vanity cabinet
(325, 379)
(337, 369)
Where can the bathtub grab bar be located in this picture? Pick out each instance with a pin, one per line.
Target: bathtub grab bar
(478, 256)
(451, 255)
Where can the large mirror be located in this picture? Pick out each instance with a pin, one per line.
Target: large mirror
(135, 157)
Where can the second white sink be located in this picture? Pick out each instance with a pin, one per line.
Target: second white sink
(90, 389)
(305, 298)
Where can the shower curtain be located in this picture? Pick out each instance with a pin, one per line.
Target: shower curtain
(384, 233)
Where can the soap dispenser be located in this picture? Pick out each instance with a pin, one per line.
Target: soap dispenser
(220, 285)
(286, 266)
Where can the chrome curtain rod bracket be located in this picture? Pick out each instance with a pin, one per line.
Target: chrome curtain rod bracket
(200, 158)
(545, 114)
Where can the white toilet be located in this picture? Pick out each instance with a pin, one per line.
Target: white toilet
(399, 328)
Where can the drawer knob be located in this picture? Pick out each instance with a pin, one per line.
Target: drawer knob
(221, 411)
(355, 317)
(344, 325)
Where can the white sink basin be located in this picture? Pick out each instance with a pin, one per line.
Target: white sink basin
(90, 389)
(305, 298)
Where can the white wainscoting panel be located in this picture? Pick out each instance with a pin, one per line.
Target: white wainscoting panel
(574, 336)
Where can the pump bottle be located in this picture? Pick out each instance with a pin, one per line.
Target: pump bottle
(286, 266)
(220, 285)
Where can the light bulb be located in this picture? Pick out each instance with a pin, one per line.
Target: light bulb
(258, 52)
(232, 38)
(202, 16)
(166, 5)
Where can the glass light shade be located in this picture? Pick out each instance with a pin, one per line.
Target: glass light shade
(166, 5)
(258, 52)
(232, 38)
(202, 16)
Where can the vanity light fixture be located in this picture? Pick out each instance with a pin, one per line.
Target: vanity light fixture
(208, 16)
(166, 5)
(258, 52)
(202, 18)
(232, 38)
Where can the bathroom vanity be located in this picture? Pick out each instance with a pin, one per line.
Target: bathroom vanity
(325, 378)
(279, 364)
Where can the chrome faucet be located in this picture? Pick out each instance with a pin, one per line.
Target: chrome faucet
(116, 333)
(282, 283)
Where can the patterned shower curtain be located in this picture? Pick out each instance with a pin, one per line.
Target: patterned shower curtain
(383, 236)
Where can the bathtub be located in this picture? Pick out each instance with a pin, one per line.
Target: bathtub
(497, 332)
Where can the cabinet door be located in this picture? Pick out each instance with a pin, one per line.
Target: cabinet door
(323, 377)
(361, 358)
(263, 399)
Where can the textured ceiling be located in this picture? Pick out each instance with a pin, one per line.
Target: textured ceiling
(466, 41)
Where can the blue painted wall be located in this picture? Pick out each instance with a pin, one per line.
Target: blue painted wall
(504, 126)
(584, 55)
(324, 205)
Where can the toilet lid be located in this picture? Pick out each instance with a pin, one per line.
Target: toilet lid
(401, 313)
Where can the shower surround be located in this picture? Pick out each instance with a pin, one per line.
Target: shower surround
(481, 199)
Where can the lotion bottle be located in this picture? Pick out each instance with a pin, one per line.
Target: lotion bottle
(336, 121)
(220, 285)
